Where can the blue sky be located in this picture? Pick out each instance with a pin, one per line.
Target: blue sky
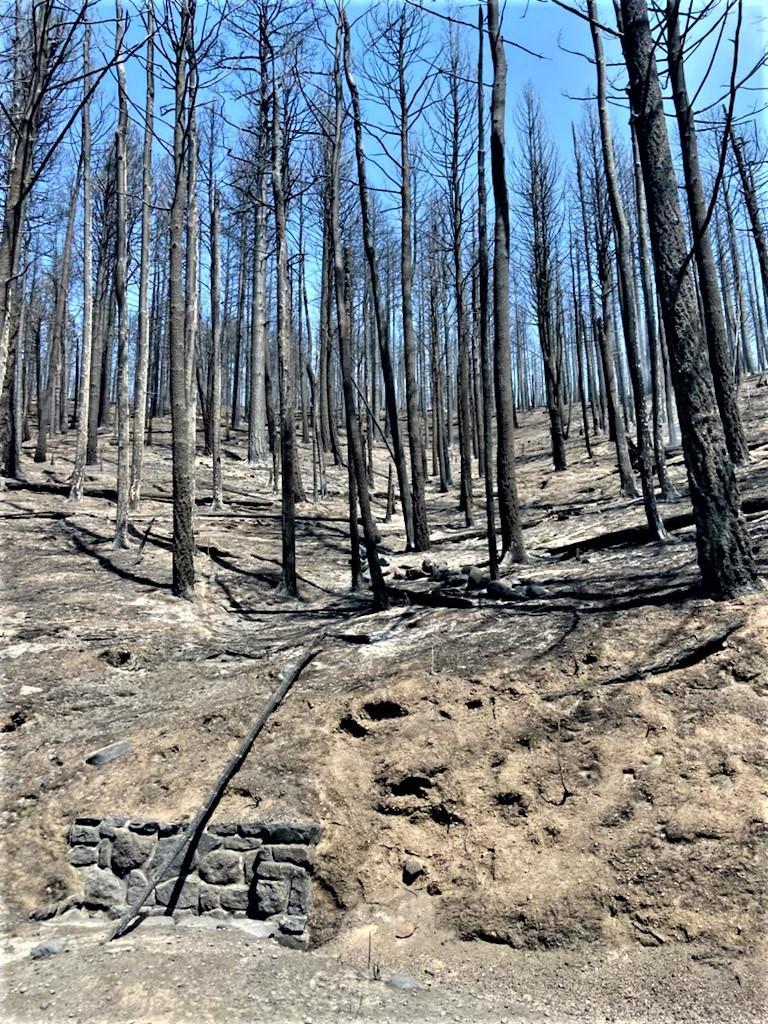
(560, 77)
(552, 31)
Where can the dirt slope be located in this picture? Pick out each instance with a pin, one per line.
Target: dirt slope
(554, 817)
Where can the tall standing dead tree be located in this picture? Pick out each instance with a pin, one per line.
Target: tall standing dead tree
(380, 312)
(142, 348)
(709, 288)
(627, 298)
(512, 542)
(725, 553)
(181, 38)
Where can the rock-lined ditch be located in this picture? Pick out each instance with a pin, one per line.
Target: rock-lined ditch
(247, 869)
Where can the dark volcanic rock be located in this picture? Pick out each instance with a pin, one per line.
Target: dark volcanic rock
(412, 869)
(130, 850)
(477, 579)
(221, 867)
(101, 888)
(498, 590)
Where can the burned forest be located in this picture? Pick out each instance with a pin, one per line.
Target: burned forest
(384, 511)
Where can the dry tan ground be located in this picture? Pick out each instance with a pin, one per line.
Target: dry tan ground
(596, 856)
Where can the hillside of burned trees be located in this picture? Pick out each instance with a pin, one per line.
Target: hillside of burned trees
(385, 450)
(577, 769)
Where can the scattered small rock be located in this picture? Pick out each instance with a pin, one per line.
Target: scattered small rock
(412, 869)
(45, 912)
(256, 929)
(415, 574)
(12, 722)
(47, 949)
(499, 590)
(300, 942)
(402, 982)
(116, 658)
(107, 754)
(404, 929)
(293, 924)
(477, 579)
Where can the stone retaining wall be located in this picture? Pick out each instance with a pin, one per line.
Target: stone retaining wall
(248, 869)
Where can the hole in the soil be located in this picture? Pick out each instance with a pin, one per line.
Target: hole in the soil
(473, 704)
(116, 658)
(440, 814)
(350, 725)
(245, 792)
(378, 710)
(411, 785)
(515, 801)
(14, 720)
(56, 890)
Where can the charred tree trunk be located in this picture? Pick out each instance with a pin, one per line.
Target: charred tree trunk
(48, 419)
(668, 490)
(725, 554)
(415, 428)
(355, 453)
(627, 300)
(257, 441)
(486, 355)
(121, 274)
(512, 543)
(752, 203)
(289, 582)
(714, 321)
(380, 312)
(142, 348)
(182, 446)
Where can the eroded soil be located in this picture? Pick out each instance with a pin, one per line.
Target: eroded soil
(592, 849)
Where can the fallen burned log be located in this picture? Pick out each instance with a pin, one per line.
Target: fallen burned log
(105, 493)
(33, 515)
(184, 848)
(430, 598)
(692, 653)
(363, 638)
(631, 536)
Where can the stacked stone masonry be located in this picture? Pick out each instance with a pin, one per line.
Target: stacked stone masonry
(258, 870)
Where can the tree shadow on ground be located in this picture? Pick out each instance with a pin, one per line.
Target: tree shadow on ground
(82, 545)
